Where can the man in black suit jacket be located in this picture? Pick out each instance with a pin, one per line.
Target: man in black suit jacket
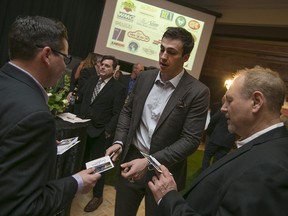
(86, 74)
(219, 140)
(103, 110)
(38, 50)
(165, 117)
(253, 179)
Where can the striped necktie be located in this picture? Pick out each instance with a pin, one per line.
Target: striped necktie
(96, 90)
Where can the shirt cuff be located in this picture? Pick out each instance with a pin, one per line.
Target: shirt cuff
(158, 203)
(118, 142)
(79, 180)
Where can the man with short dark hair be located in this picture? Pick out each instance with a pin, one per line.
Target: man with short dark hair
(101, 98)
(164, 116)
(38, 49)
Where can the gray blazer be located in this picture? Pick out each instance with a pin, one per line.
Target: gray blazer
(178, 132)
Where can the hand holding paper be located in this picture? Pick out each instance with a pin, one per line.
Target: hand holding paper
(101, 164)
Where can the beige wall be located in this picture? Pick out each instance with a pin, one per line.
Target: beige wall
(254, 15)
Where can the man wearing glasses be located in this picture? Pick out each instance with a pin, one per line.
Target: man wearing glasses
(38, 50)
(67, 58)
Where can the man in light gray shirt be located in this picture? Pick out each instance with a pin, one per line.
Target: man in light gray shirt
(164, 117)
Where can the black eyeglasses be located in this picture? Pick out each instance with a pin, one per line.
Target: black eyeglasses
(67, 58)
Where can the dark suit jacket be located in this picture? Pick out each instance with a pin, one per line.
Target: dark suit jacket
(28, 150)
(85, 76)
(124, 79)
(180, 126)
(250, 181)
(218, 131)
(73, 81)
(105, 109)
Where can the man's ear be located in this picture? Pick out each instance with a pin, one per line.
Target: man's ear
(186, 57)
(45, 55)
(257, 100)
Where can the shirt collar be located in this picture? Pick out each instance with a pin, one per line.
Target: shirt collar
(259, 133)
(174, 81)
(44, 93)
(106, 80)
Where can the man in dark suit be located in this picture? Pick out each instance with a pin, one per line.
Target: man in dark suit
(165, 117)
(220, 140)
(103, 108)
(253, 179)
(87, 73)
(38, 50)
(84, 70)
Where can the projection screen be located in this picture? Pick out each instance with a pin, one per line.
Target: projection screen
(131, 30)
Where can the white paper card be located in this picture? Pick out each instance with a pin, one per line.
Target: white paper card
(71, 118)
(101, 164)
(66, 144)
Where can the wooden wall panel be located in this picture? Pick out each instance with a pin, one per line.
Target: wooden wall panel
(227, 55)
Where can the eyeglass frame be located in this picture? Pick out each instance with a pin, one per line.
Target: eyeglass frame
(67, 58)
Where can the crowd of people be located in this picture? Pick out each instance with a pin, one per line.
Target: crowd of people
(160, 112)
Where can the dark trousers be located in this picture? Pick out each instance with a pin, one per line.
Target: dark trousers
(129, 195)
(96, 148)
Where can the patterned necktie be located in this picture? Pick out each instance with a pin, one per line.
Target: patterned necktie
(96, 90)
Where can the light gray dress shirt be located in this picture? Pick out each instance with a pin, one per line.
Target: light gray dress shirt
(153, 108)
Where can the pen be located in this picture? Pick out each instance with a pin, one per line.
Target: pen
(113, 153)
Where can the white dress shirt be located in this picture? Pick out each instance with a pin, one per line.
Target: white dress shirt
(153, 108)
(240, 143)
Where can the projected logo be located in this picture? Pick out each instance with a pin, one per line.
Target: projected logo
(123, 24)
(168, 15)
(194, 25)
(149, 11)
(152, 24)
(125, 16)
(138, 35)
(128, 6)
(149, 8)
(180, 21)
(118, 34)
(133, 46)
(147, 14)
(149, 51)
(156, 42)
(117, 44)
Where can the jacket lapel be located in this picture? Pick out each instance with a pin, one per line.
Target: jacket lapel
(103, 90)
(271, 135)
(145, 87)
(220, 163)
(176, 97)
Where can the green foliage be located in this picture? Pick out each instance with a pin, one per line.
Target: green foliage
(194, 165)
(58, 102)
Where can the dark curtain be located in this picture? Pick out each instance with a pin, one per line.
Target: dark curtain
(82, 19)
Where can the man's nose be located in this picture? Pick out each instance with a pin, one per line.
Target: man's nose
(163, 55)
